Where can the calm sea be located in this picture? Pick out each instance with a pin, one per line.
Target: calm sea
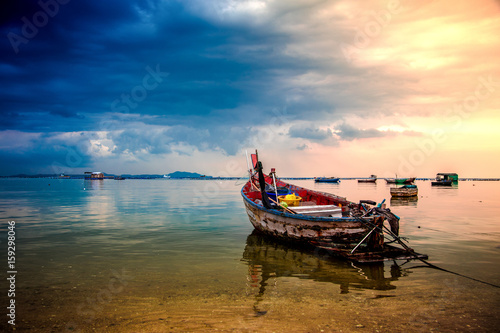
(179, 255)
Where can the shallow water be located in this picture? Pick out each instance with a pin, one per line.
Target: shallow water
(180, 255)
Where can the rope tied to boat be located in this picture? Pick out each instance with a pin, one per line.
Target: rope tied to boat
(416, 256)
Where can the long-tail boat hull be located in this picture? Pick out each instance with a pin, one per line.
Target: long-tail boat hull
(343, 228)
(343, 233)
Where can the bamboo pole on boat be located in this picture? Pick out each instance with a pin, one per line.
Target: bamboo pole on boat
(285, 208)
(388, 231)
(368, 234)
(275, 188)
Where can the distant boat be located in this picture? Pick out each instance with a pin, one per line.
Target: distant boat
(93, 175)
(445, 179)
(166, 176)
(442, 183)
(118, 178)
(404, 191)
(372, 179)
(354, 231)
(327, 179)
(400, 181)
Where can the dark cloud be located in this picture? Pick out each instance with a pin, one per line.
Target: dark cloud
(151, 140)
(302, 147)
(155, 74)
(93, 53)
(140, 141)
(310, 133)
(12, 11)
(66, 114)
(44, 157)
(229, 139)
(349, 133)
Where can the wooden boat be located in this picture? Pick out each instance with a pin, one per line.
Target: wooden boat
(343, 228)
(372, 179)
(404, 191)
(445, 179)
(327, 179)
(400, 181)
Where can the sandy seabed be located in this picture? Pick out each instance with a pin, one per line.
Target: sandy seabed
(288, 304)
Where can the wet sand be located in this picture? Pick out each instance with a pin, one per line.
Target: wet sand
(289, 304)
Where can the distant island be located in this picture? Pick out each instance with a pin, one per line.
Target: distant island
(102, 175)
(184, 174)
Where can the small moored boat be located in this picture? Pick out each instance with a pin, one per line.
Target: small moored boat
(326, 179)
(344, 228)
(404, 191)
(445, 179)
(372, 179)
(400, 181)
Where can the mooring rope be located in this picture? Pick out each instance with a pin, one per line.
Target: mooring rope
(449, 233)
(429, 265)
(410, 250)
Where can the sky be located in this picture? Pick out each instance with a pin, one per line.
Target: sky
(321, 88)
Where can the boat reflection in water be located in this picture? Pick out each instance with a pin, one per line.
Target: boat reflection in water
(404, 201)
(269, 259)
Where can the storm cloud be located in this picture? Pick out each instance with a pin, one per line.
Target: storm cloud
(144, 77)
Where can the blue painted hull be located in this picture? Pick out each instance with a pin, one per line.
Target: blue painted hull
(327, 180)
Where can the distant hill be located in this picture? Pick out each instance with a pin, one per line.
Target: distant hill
(177, 174)
(184, 174)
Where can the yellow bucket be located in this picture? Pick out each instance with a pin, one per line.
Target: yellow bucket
(290, 199)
